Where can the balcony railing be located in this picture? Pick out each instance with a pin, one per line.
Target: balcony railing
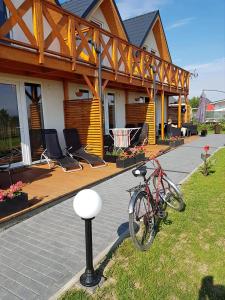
(48, 30)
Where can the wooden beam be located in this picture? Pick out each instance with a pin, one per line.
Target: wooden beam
(104, 85)
(126, 97)
(72, 41)
(93, 88)
(179, 112)
(186, 109)
(162, 115)
(38, 28)
(66, 90)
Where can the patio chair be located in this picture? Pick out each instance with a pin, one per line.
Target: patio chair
(173, 131)
(5, 166)
(76, 149)
(53, 152)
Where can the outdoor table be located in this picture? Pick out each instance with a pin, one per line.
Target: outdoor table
(122, 136)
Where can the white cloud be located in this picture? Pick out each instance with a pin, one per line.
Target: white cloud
(132, 8)
(211, 76)
(180, 23)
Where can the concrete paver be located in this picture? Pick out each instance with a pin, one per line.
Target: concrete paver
(40, 255)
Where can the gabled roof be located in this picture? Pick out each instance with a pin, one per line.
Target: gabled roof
(83, 8)
(80, 8)
(138, 27)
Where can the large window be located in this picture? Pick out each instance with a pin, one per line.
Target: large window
(111, 108)
(10, 138)
(3, 14)
(35, 118)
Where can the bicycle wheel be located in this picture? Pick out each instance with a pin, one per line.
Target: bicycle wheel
(169, 193)
(142, 223)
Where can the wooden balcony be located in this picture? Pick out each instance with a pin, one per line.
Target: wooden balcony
(41, 39)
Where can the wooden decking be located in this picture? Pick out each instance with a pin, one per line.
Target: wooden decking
(44, 185)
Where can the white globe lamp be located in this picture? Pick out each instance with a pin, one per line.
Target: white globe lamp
(87, 205)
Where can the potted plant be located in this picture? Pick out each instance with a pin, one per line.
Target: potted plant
(139, 153)
(203, 129)
(125, 159)
(173, 141)
(217, 128)
(13, 198)
(112, 156)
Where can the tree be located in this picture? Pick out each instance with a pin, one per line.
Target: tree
(194, 102)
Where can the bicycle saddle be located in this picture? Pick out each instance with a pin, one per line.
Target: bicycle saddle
(140, 172)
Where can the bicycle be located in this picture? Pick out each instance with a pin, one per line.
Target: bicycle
(147, 205)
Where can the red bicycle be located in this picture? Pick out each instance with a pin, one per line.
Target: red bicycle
(148, 202)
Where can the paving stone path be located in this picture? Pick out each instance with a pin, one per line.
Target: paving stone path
(40, 255)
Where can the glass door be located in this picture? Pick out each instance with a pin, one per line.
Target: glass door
(109, 112)
(35, 119)
(10, 133)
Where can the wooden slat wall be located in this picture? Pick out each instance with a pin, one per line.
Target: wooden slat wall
(142, 113)
(152, 124)
(35, 120)
(188, 113)
(84, 115)
(173, 115)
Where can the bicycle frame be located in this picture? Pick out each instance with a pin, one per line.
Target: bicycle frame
(159, 172)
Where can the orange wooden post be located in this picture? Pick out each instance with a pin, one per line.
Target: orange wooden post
(162, 115)
(179, 111)
(186, 109)
(115, 56)
(72, 41)
(39, 28)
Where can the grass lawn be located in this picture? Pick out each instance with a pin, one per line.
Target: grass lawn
(183, 253)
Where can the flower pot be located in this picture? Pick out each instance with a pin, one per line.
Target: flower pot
(172, 143)
(125, 163)
(204, 132)
(110, 158)
(13, 205)
(139, 157)
(217, 129)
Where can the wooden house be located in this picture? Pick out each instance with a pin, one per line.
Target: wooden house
(50, 67)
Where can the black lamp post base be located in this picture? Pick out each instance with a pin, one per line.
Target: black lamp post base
(90, 279)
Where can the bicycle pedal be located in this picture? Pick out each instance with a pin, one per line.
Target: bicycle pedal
(162, 214)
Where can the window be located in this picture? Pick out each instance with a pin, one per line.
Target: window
(83, 94)
(145, 47)
(153, 51)
(96, 23)
(3, 14)
(10, 137)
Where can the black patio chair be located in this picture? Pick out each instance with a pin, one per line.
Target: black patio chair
(76, 149)
(173, 131)
(5, 166)
(53, 152)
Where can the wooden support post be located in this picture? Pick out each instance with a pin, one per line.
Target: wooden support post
(115, 56)
(126, 97)
(179, 112)
(38, 28)
(162, 115)
(72, 41)
(186, 109)
(66, 90)
(96, 86)
(130, 62)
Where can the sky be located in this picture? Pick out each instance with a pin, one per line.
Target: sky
(195, 31)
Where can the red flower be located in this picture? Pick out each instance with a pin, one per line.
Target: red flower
(206, 148)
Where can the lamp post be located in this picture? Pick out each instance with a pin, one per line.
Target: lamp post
(87, 204)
